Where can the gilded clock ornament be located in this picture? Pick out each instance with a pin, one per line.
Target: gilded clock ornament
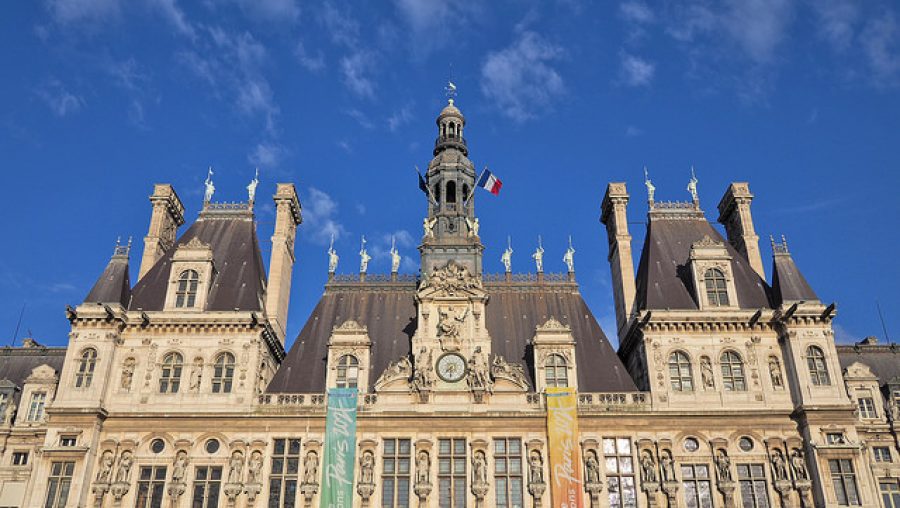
(451, 367)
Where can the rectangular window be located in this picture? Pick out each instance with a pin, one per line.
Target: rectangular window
(207, 480)
(882, 453)
(151, 487)
(285, 470)
(867, 408)
(843, 477)
(452, 473)
(508, 473)
(20, 458)
(395, 472)
(752, 479)
(697, 491)
(619, 472)
(67, 440)
(58, 484)
(890, 492)
(36, 408)
(835, 438)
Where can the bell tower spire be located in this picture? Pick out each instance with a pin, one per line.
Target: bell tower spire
(451, 228)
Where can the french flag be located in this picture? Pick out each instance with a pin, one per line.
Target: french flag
(490, 182)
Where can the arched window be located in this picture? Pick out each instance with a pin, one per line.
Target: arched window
(732, 372)
(223, 373)
(818, 371)
(451, 192)
(716, 288)
(680, 372)
(186, 293)
(347, 372)
(556, 371)
(170, 373)
(85, 373)
(465, 194)
(437, 192)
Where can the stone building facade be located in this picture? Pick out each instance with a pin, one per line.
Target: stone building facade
(726, 389)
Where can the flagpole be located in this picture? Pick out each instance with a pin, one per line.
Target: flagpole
(466, 202)
(427, 187)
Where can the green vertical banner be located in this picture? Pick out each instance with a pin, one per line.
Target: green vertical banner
(340, 449)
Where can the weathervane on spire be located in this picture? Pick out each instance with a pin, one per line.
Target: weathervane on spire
(651, 189)
(210, 188)
(450, 89)
(251, 188)
(692, 186)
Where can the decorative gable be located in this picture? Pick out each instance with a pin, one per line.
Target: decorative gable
(191, 277)
(554, 355)
(712, 274)
(348, 356)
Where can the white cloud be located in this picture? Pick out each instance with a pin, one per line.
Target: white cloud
(759, 26)
(320, 216)
(361, 118)
(174, 15)
(881, 46)
(435, 23)
(632, 131)
(60, 100)
(399, 118)
(636, 71)
(312, 63)
(636, 11)
(266, 154)
(520, 79)
(344, 30)
(271, 10)
(66, 12)
(836, 19)
(354, 68)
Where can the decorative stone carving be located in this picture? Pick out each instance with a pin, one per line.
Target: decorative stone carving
(706, 373)
(177, 486)
(123, 476)
(254, 475)
(775, 372)
(592, 483)
(667, 466)
(128, 367)
(397, 370)
(9, 413)
(451, 280)
(310, 484)
(234, 481)
(366, 485)
(779, 465)
(501, 369)
(450, 326)
(479, 477)
(104, 473)
(723, 466)
(798, 464)
(196, 375)
(536, 484)
(648, 468)
(428, 227)
(478, 376)
(423, 379)
(422, 487)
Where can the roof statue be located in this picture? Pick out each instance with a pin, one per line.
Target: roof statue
(569, 257)
(428, 226)
(251, 188)
(692, 187)
(651, 189)
(210, 188)
(506, 258)
(539, 256)
(364, 257)
(395, 256)
(474, 226)
(332, 257)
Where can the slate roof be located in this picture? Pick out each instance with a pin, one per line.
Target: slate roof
(788, 284)
(16, 363)
(512, 314)
(664, 277)
(114, 284)
(883, 360)
(240, 279)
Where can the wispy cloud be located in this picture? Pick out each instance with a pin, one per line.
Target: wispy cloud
(320, 213)
(836, 20)
(434, 23)
(278, 11)
(881, 45)
(175, 16)
(361, 118)
(355, 69)
(61, 101)
(311, 62)
(91, 12)
(520, 78)
(267, 154)
(636, 71)
(400, 117)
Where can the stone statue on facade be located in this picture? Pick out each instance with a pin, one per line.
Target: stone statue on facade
(514, 372)
(104, 474)
(506, 258)
(798, 463)
(398, 369)
(775, 372)
(251, 187)
(479, 469)
(538, 256)
(364, 257)
(9, 413)
(450, 323)
(422, 379)
(423, 465)
(535, 467)
(569, 257)
(706, 373)
(479, 378)
(332, 257)
(667, 466)
(179, 467)
(367, 468)
(236, 467)
(123, 475)
(209, 188)
(648, 468)
(779, 466)
(395, 257)
(591, 468)
(127, 373)
(692, 187)
(723, 466)
(651, 189)
(196, 374)
(311, 469)
(474, 227)
(254, 467)
(428, 226)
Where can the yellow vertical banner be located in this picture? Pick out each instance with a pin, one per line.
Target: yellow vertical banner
(562, 436)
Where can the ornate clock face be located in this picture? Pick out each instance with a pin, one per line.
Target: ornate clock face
(451, 367)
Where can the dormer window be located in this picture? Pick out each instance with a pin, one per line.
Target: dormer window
(818, 371)
(186, 293)
(85, 373)
(716, 287)
(347, 372)
(556, 371)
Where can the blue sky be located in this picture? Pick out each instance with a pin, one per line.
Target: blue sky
(100, 99)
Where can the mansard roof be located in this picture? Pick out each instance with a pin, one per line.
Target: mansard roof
(114, 284)
(788, 284)
(883, 360)
(664, 279)
(16, 363)
(239, 281)
(513, 312)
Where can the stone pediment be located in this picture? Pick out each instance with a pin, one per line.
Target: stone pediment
(42, 374)
(859, 370)
(396, 376)
(453, 281)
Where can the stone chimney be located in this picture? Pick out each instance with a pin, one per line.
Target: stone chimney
(621, 264)
(167, 216)
(734, 214)
(278, 292)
